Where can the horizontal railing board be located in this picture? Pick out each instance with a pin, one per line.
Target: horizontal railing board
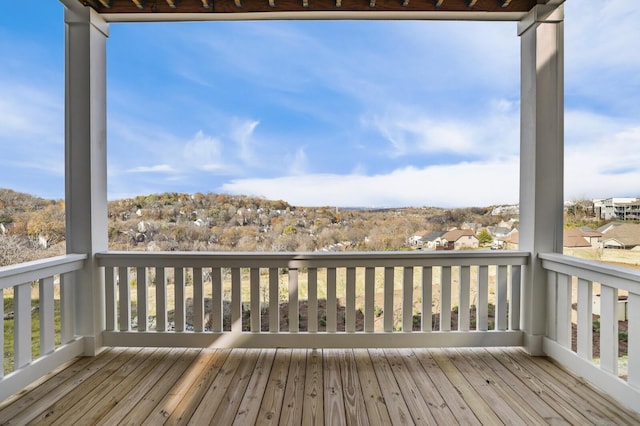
(308, 260)
(13, 275)
(613, 276)
(433, 339)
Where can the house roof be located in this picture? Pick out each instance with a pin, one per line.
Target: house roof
(433, 235)
(456, 234)
(158, 10)
(627, 234)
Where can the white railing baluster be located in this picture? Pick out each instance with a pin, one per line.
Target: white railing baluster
(110, 298)
(236, 300)
(464, 297)
(254, 283)
(427, 298)
(387, 311)
(552, 307)
(124, 298)
(482, 308)
(501, 298)
(563, 332)
(198, 301)
(633, 343)
(22, 325)
(514, 298)
(217, 302)
(585, 319)
(179, 318)
(350, 306)
(67, 329)
(161, 299)
(274, 301)
(332, 308)
(407, 299)
(445, 298)
(608, 329)
(47, 315)
(312, 300)
(369, 299)
(293, 301)
(143, 297)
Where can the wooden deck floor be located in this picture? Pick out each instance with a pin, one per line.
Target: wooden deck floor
(306, 387)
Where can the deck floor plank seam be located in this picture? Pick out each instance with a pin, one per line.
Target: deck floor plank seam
(449, 393)
(407, 383)
(134, 397)
(273, 399)
(483, 411)
(255, 392)
(164, 391)
(569, 389)
(98, 380)
(439, 409)
(40, 395)
(313, 399)
(396, 405)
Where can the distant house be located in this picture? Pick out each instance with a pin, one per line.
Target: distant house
(499, 231)
(512, 240)
(573, 238)
(417, 239)
(460, 239)
(475, 227)
(625, 236)
(426, 239)
(433, 239)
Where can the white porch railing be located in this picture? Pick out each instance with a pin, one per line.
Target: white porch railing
(576, 290)
(39, 277)
(313, 300)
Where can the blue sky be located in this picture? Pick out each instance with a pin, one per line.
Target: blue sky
(324, 113)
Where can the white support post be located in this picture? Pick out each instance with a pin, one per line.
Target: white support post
(541, 158)
(86, 163)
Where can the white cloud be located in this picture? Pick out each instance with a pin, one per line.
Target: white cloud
(160, 168)
(203, 152)
(242, 133)
(491, 132)
(465, 184)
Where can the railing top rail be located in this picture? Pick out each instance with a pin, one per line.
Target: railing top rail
(29, 271)
(620, 277)
(312, 259)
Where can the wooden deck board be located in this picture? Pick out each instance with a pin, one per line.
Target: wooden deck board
(328, 386)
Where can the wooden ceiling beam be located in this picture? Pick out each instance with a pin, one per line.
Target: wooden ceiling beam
(130, 9)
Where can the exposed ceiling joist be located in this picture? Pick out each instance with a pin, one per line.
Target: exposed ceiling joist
(172, 3)
(106, 3)
(139, 3)
(505, 3)
(206, 4)
(471, 3)
(438, 3)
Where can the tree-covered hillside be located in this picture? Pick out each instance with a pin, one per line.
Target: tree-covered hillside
(34, 228)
